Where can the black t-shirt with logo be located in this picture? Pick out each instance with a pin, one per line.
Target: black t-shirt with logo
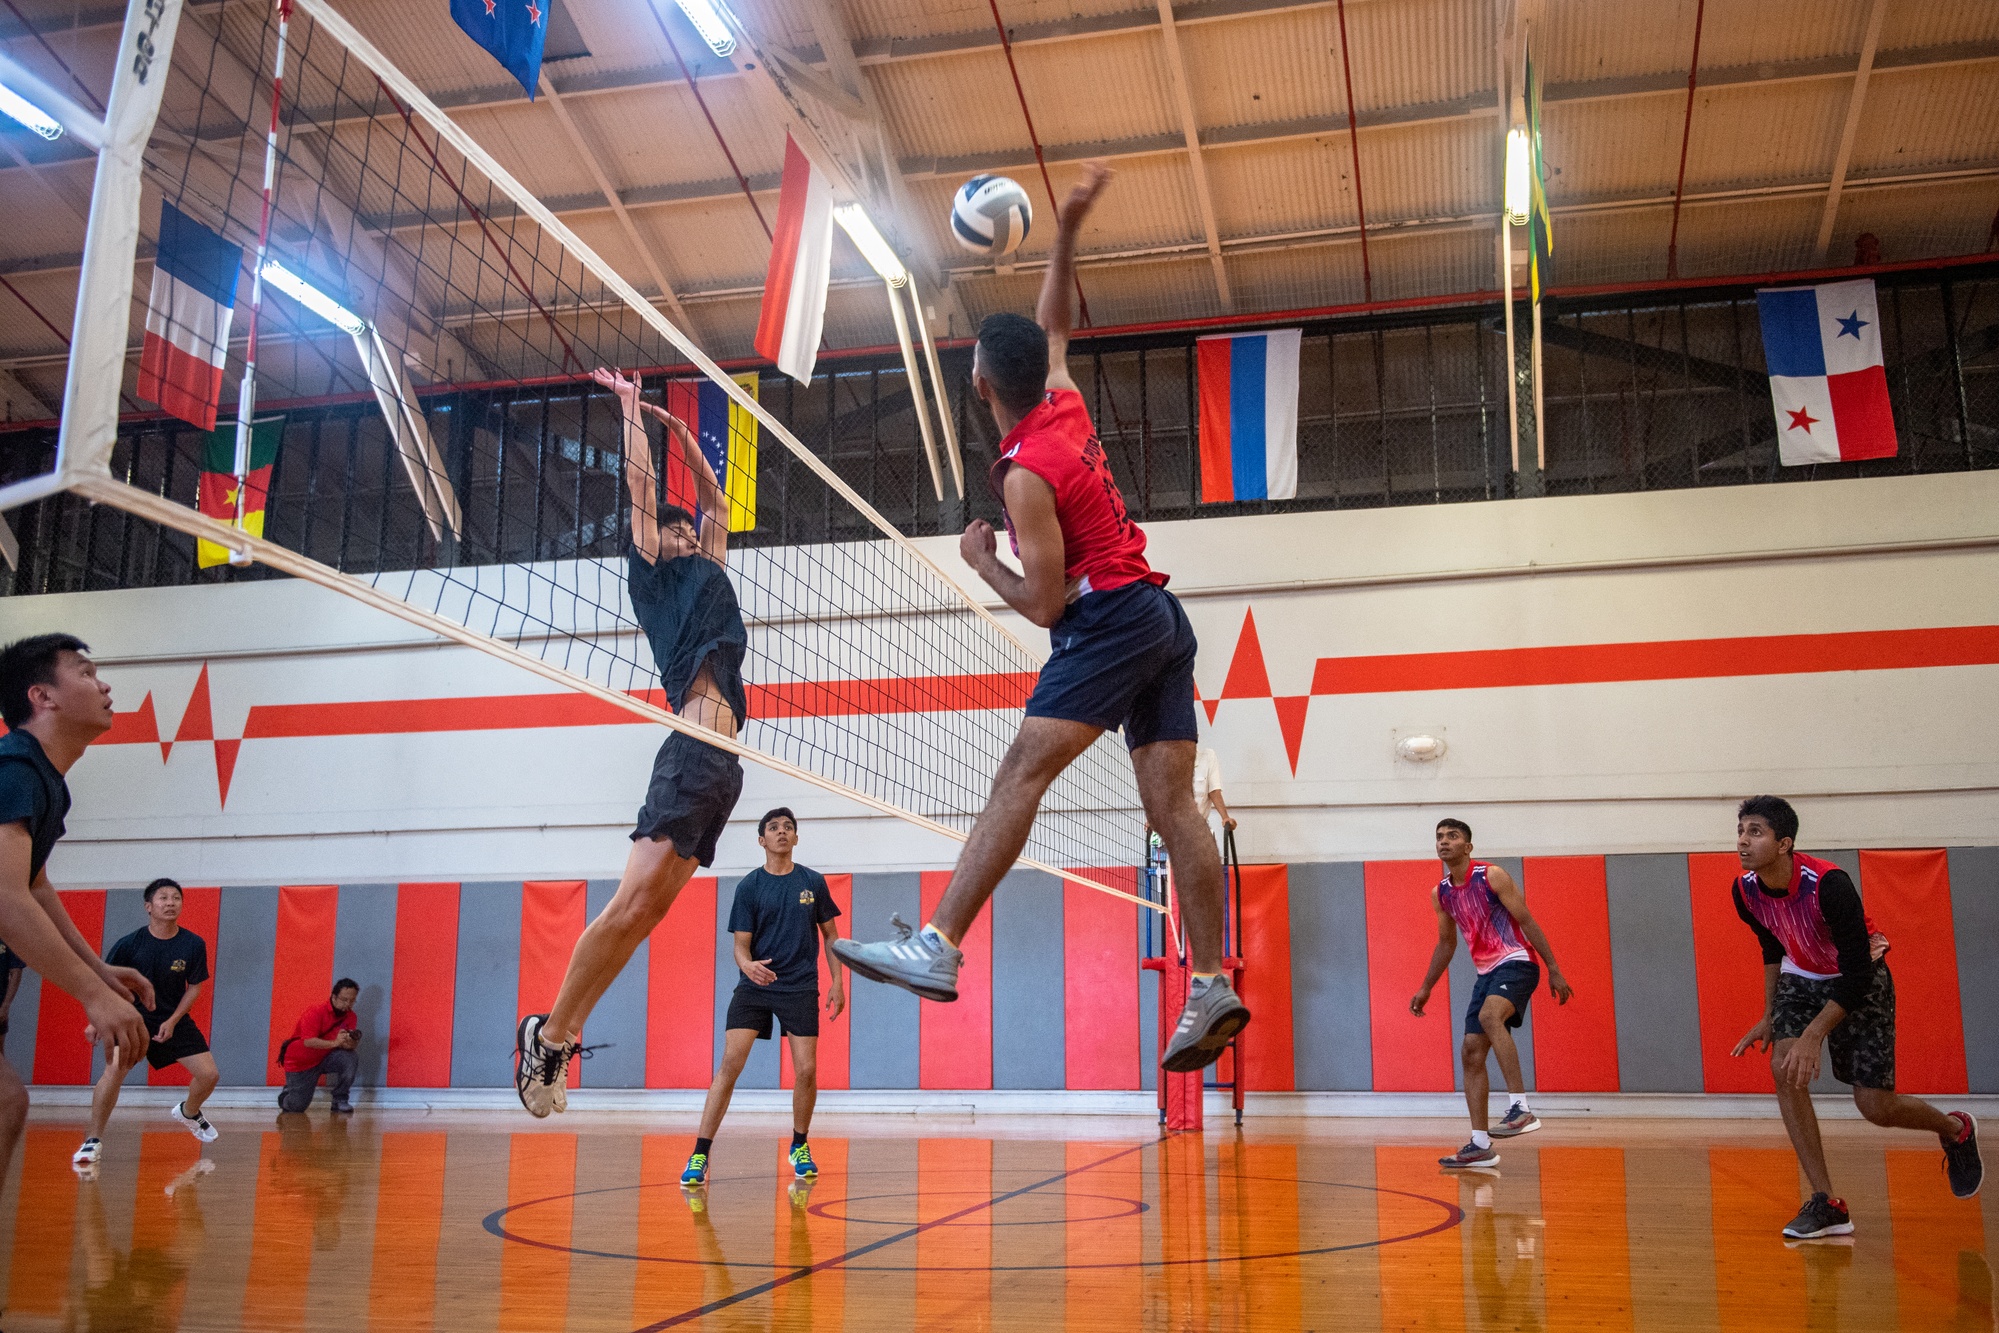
(32, 793)
(782, 914)
(172, 965)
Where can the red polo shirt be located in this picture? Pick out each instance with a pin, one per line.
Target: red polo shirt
(319, 1021)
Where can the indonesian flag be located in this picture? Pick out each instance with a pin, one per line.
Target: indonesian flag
(1827, 381)
(187, 318)
(217, 494)
(801, 260)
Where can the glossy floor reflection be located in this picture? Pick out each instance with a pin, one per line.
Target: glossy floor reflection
(471, 1222)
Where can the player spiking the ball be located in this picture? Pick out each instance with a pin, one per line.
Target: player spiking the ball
(676, 572)
(1122, 655)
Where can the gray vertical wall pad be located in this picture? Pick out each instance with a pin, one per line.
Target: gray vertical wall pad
(246, 944)
(885, 1042)
(1028, 1044)
(618, 1024)
(125, 912)
(1974, 900)
(1464, 976)
(488, 986)
(22, 1021)
(761, 1070)
(364, 949)
(1331, 1038)
(1148, 1031)
(1652, 959)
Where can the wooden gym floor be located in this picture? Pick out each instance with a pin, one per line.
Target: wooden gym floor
(402, 1220)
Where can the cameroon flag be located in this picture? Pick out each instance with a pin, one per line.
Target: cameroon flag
(218, 481)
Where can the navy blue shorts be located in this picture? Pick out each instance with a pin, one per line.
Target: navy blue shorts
(1123, 658)
(1515, 981)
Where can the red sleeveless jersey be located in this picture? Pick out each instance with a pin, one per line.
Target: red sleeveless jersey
(1102, 548)
(1796, 918)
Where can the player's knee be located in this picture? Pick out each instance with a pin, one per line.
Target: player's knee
(1875, 1103)
(804, 1074)
(1475, 1050)
(1494, 1023)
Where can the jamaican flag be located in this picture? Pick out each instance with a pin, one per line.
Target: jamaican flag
(1540, 235)
(218, 481)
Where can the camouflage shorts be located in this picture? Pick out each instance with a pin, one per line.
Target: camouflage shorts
(1863, 1045)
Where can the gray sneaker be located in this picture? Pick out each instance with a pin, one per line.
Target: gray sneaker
(1209, 1022)
(912, 960)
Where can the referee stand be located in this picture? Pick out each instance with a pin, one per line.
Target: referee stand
(1181, 1095)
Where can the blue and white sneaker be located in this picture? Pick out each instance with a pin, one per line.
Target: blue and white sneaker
(802, 1165)
(696, 1174)
(916, 960)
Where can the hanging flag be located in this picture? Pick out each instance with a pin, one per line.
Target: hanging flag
(1249, 416)
(217, 497)
(728, 436)
(511, 30)
(801, 260)
(1827, 382)
(1540, 227)
(187, 318)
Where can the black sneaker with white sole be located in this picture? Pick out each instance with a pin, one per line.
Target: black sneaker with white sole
(1961, 1160)
(1821, 1216)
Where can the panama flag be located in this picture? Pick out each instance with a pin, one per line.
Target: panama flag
(1827, 382)
(1249, 416)
(801, 260)
(187, 318)
(728, 436)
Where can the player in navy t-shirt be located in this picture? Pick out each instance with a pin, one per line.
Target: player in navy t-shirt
(778, 917)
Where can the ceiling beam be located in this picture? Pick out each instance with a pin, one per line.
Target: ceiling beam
(1190, 133)
(1851, 130)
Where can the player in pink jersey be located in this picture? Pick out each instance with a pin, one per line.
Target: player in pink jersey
(1122, 657)
(1826, 982)
(1481, 901)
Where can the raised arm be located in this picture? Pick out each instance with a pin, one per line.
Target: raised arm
(640, 478)
(710, 496)
(1515, 902)
(1055, 311)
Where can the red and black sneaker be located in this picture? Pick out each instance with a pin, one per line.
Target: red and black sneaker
(1961, 1161)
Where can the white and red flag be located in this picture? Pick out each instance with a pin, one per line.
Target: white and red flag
(1827, 381)
(801, 259)
(187, 318)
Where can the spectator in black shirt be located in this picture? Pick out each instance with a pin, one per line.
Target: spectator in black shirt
(54, 707)
(175, 960)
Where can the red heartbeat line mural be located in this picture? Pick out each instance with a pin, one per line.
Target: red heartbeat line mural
(1247, 677)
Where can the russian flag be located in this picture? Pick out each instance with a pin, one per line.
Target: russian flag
(1827, 381)
(187, 318)
(728, 437)
(801, 261)
(1249, 416)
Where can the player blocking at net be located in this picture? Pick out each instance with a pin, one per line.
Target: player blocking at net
(1122, 655)
(681, 595)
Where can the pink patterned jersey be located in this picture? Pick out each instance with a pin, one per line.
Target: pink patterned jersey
(1796, 918)
(1488, 928)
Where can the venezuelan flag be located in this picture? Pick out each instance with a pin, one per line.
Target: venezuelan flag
(728, 436)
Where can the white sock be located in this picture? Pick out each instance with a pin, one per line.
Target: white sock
(1480, 1139)
(1521, 1102)
(936, 938)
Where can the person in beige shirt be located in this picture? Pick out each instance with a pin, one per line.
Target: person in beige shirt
(1208, 787)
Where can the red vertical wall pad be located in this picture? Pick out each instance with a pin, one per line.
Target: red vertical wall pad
(1728, 976)
(61, 1053)
(302, 966)
(425, 981)
(833, 1032)
(1908, 896)
(1099, 985)
(680, 991)
(200, 912)
(1411, 1054)
(956, 1048)
(553, 913)
(1575, 1044)
(1264, 942)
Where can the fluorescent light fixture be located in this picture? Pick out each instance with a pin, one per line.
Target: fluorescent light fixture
(869, 242)
(707, 18)
(1519, 162)
(313, 299)
(16, 107)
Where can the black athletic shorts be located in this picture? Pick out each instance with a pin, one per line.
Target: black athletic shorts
(1123, 658)
(692, 794)
(797, 1011)
(187, 1040)
(1863, 1045)
(1515, 981)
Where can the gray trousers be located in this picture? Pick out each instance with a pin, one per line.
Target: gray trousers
(338, 1068)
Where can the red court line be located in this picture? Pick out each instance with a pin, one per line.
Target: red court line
(423, 999)
(534, 1281)
(1728, 978)
(680, 992)
(1680, 659)
(955, 1043)
(45, 1213)
(1908, 896)
(302, 963)
(1100, 983)
(1268, 1061)
(200, 912)
(409, 1220)
(1575, 1044)
(61, 1054)
(553, 914)
(1411, 1054)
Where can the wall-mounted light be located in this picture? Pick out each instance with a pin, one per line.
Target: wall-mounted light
(853, 219)
(16, 107)
(313, 299)
(1420, 749)
(707, 18)
(1519, 164)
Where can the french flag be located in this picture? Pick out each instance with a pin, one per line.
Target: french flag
(187, 318)
(1827, 381)
(1249, 416)
(801, 260)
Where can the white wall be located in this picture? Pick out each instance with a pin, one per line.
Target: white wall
(1876, 758)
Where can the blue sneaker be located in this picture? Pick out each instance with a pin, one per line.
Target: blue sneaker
(802, 1165)
(696, 1174)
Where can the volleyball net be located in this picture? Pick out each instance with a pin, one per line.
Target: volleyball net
(289, 217)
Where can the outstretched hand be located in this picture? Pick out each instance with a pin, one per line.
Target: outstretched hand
(1096, 174)
(626, 389)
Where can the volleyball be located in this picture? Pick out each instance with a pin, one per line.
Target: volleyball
(990, 215)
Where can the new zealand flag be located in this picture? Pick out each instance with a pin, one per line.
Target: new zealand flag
(513, 30)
